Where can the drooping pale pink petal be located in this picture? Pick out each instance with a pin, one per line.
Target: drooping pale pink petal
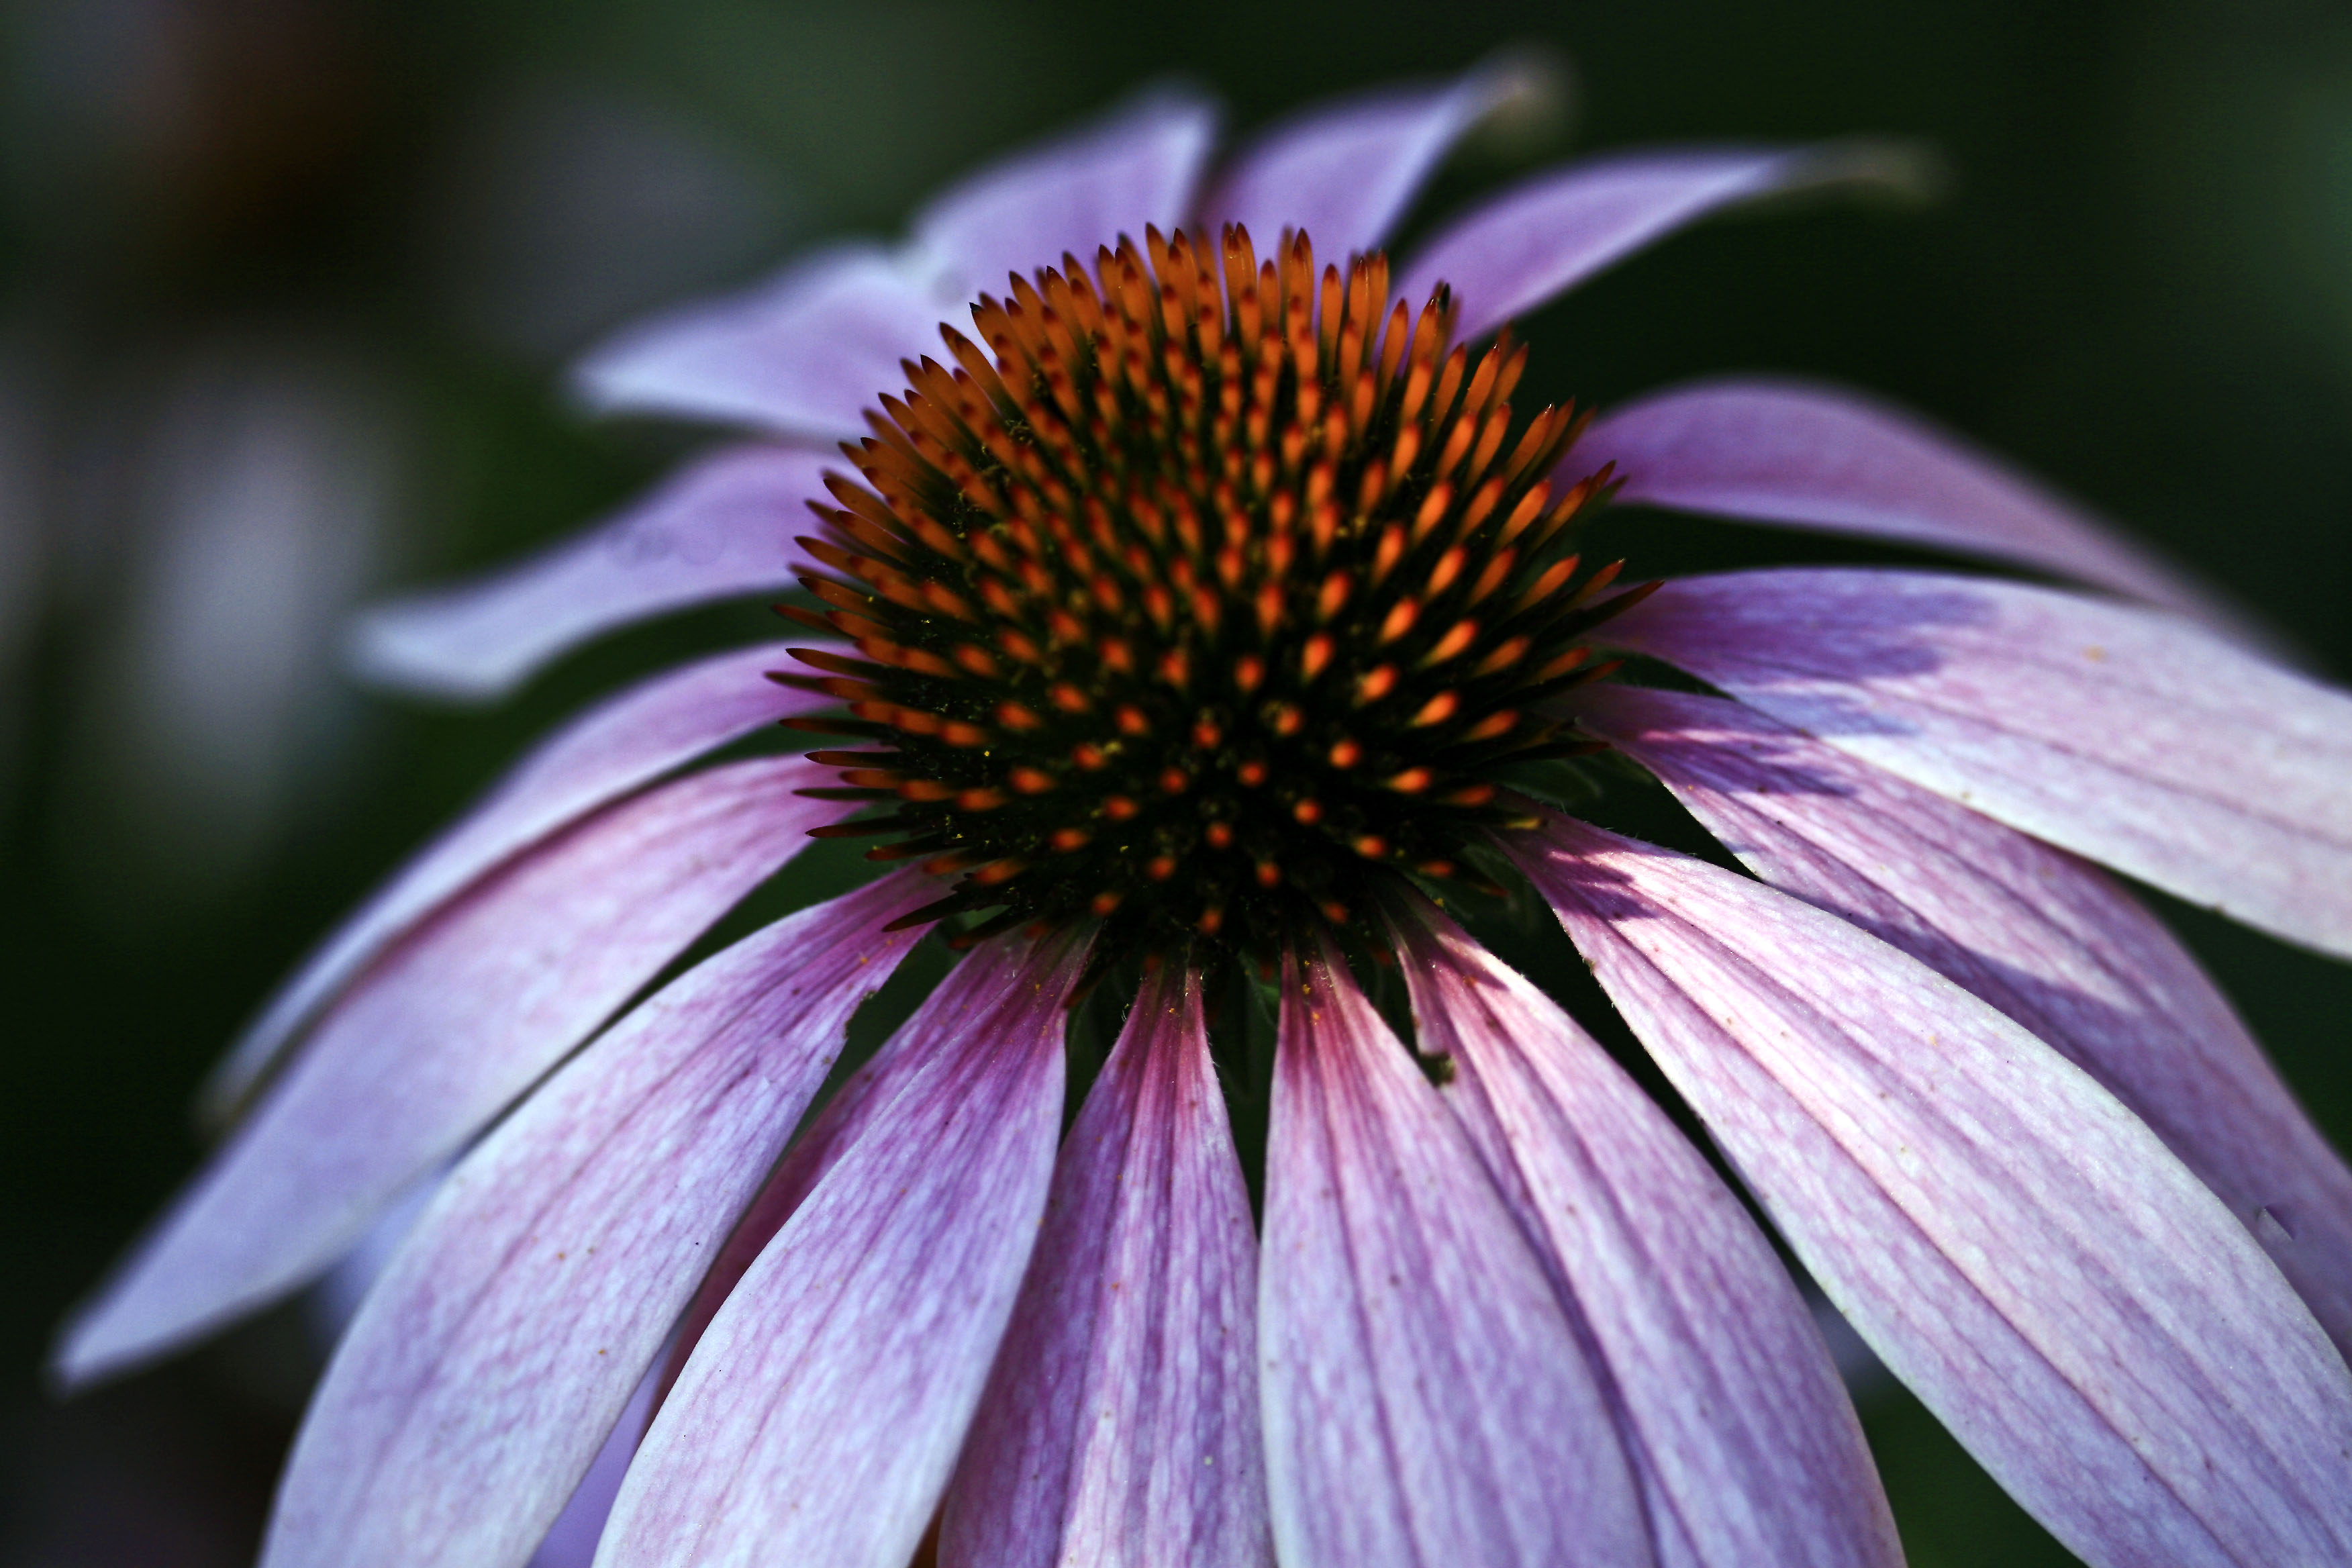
(2046, 939)
(444, 1030)
(1820, 456)
(492, 1359)
(1137, 166)
(618, 745)
(1426, 1401)
(1727, 1400)
(2123, 735)
(801, 354)
(2016, 1246)
(720, 530)
(1345, 172)
(819, 1418)
(1547, 234)
(1120, 1424)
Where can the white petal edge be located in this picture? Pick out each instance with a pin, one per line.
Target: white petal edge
(444, 1032)
(721, 528)
(483, 1374)
(614, 748)
(2123, 735)
(1120, 1424)
(820, 1416)
(2019, 1249)
(1748, 1448)
(571, 1540)
(1426, 1401)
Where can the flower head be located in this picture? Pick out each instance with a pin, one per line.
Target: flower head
(1210, 630)
(1212, 634)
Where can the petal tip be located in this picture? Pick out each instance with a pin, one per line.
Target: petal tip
(397, 646)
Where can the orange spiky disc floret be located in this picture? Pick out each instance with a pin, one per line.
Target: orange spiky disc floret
(1208, 594)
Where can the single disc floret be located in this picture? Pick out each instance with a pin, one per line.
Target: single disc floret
(1210, 595)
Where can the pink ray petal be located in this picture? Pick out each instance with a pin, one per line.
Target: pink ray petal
(721, 528)
(846, 1117)
(1426, 1401)
(444, 1030)
(1346, 171)
(1137, 166)
(1547, 234)
(486, 1368)
(802, 354)
(571, 1540)
(2016, 1246)
(1820, 457)
(2049, 941)
(1121, 1424)
(615, 747)
(1726, 1398)
(819, 1418)
(2122, 735)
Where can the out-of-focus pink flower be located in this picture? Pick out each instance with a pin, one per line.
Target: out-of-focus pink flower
(1212, 617)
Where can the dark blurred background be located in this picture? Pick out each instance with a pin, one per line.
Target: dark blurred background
(286, 287)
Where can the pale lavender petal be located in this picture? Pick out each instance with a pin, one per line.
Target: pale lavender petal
(571, 1539)
(802, 354)
(1725, 1399)
(1820, 457)
(1137, 166)
(721, 528)
(2049, 941)
(2015, 1245)
(844, 1118)
(1426, 1401)
(2122, 735)
(619, 745)
(1544, 236)
(489, 1364)
(1120, 1424)
(819, 1418)
(442, 1033)
(1346, 172)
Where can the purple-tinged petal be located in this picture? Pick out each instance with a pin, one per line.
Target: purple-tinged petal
(1727, 1400)
(844, 1118)
(819, 1418)
(1546, 235)
(444, 1031)
(1426, 1401)
(802, 354)
(1345, 172)
(1820, 457)
(1120, 1424)
(1137, 166)
(721, 528)
(2122, 735)
(2015, 1245)
(2049, 941)
(571, 1540)
(616, 746)
(491, 1362)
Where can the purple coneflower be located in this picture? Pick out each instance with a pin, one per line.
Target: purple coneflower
(1201, 625)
